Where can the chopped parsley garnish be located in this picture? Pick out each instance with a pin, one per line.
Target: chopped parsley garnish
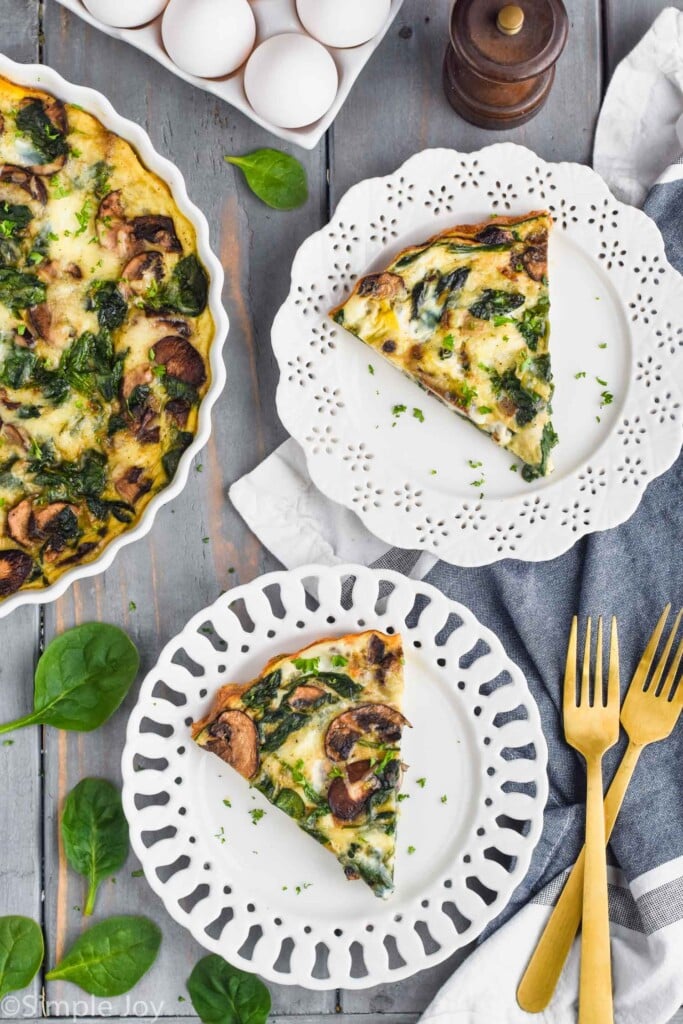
(421, 782)
(579, 375)
(419, 415)
(220, 835)
(411, 849)
(448, 342)
(339, 661)
(398, 409)
(306, 665)
(402, 796)
(83, 218)
(444, 799)
(227, 803)
(602, 382)
(513, 467)
(473, 465)
(371, 368)
(132, 606)
(606, 398)
(256, 813)
(483, 409)
(602, 344)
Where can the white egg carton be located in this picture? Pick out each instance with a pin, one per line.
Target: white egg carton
(272, 17)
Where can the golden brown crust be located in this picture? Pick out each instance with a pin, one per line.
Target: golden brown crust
(229, 694)
(459, 230)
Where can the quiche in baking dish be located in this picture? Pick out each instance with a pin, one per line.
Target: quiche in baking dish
(104, 336)
(319, 734)
(465, 315)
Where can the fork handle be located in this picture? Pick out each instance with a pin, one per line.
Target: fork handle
(595, 984)
(543, 971)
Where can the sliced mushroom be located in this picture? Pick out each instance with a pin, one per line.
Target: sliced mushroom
(16, 180)
(53, 331)
(140, 273)
(381, 656)
(7, 401)
(181, 359)
(19, 520)
(15, 568)
(304, 697)
(55, 523)
(348, 796)
(174, 323)
(535, 261)
(114, 232)
(179, 411)
(132, 484)
(148, 430)
(380, 721)
(382, 286)
(494, 234)
(157, 230)
(139, 376)
(15, 436)
(234, 738)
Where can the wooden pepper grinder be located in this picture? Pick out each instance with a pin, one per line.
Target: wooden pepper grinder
(500, 64)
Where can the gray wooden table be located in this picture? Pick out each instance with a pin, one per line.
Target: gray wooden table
(395, 109)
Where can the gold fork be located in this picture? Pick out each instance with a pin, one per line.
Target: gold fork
(591, 726)
(649, 714)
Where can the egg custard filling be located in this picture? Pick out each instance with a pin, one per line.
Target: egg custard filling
(466, 316)
(104, 337)
(319, 734)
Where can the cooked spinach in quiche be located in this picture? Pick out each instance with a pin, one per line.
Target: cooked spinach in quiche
(319, 734)
(466, 315)
(104, 336)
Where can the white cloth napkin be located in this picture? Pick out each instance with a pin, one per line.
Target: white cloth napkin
(636, 141)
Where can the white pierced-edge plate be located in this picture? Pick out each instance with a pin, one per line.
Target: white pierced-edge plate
(440, 485)
(42, 77)
(263, 894)
(272, 17)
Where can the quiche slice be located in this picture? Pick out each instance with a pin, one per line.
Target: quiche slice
(319, 734)
(465, 315)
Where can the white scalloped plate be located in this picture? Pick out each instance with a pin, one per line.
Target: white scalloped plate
(42, 77)
(267, 897)
(411, 483)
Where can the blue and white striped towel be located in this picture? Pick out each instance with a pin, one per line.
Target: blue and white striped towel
(643, 558)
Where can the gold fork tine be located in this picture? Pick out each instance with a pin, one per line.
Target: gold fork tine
(640, 674)
(613, 689)
(570, 669)
(598, 692)
(661, 664)
(671, 679)
(585, 698)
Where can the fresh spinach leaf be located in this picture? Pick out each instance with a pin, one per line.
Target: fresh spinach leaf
(222, 994)
(261, 693)
(46, 138)
(110, 957)
(549, 439)
(13, 218)
(94, 832)
(495, 302)
(276, 178)
(81, 678)
(109, 304)
(289, 801)
(21, 952)
(187, 291)
(19, 290)
(342, 684)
